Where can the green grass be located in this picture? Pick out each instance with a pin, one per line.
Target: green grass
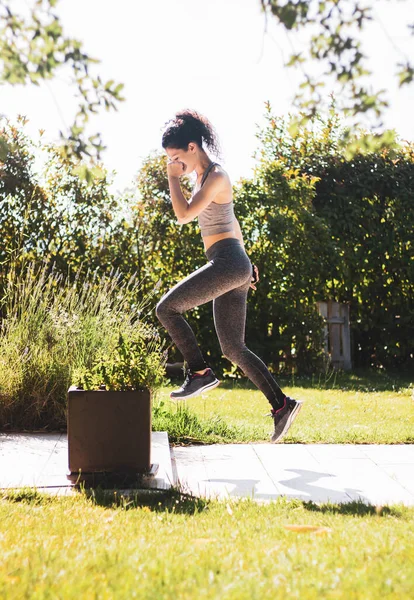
(172, 546)
(352, 410)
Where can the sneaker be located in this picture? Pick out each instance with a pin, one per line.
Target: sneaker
(195, 384)
(284, 417)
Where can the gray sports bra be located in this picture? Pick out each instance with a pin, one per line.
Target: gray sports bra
(215, 218)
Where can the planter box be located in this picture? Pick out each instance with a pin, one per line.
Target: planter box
(109, 435)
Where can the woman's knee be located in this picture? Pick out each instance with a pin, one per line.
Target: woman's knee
(165, 308)
(233, 353)
(162, 310)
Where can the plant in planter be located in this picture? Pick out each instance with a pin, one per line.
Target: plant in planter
(109, 409)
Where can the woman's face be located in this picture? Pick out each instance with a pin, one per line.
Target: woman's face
(187, 157)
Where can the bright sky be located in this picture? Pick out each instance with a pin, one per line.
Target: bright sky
(211, 56)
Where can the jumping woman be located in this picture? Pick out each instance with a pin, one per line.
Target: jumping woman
(225, 279)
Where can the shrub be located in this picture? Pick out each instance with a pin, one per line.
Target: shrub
(53, 328)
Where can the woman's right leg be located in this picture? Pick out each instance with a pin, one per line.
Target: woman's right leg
(230, 322)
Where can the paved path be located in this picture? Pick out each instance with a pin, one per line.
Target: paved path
(376, 474)
(41, 460)
(319, 472)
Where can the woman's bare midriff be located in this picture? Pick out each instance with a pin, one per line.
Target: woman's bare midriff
(209, 240)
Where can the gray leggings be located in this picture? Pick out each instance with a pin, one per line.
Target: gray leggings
(225, 280)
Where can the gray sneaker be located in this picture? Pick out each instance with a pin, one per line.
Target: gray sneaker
(284, 417)
(195, 384)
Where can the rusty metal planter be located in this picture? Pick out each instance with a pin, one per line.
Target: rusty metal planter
(109, 435)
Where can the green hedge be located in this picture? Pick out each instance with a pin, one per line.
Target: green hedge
(318, 223)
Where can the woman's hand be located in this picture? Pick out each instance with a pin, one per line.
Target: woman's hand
(255, 277)
(175, 168)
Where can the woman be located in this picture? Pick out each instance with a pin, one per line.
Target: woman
(226, 277)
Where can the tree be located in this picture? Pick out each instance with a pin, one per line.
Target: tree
(335, 28)
(35, 48)
(63, 219)
(365, 202)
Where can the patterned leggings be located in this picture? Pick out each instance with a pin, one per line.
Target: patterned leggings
(225, 280)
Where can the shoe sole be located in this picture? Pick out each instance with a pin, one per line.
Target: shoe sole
(289, 422)
(206, 388)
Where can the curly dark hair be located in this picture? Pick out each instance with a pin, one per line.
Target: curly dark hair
(189, 126)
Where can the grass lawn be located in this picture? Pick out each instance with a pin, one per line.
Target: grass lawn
(168, 545)
(349, 409)
(177, 547)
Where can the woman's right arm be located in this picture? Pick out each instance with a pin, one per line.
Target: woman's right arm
(255, 273)
(187, 211)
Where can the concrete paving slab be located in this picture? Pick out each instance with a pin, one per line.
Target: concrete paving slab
(336, 451)
(24, 456)
(222, 471)
(318, 472)
(191, 473)
(360, 470)
(390, 454)
(363, 479)
(402, 474)
(235, 470)
(297, 474)
(160, 454)
(286, 456)
(41, 460)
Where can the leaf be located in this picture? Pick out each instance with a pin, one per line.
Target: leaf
(294, 59)
(4, 149)
(109, 84)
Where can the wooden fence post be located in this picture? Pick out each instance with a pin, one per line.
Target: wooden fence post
(337, 333)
